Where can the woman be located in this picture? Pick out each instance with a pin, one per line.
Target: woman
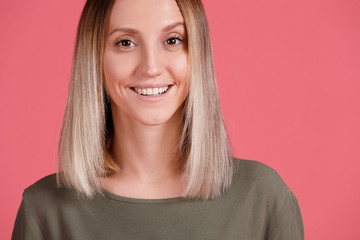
(143, 152)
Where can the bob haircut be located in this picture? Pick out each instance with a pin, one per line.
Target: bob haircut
(205, 156)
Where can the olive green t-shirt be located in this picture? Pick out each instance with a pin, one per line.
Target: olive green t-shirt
(258, 205)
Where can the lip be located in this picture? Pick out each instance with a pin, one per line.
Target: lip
(152, 85)
(151, 98)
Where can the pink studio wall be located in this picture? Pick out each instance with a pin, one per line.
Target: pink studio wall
(288, 75)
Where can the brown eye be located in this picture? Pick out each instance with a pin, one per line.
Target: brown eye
(125, 43)
(173, 41)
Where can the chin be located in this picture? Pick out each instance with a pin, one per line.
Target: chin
(155, 118)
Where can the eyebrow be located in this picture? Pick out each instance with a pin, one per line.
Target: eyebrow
(134, 31)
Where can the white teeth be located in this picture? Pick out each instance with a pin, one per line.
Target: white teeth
(151, 91)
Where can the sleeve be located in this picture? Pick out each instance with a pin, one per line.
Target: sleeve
(287, 223)
(26, 226)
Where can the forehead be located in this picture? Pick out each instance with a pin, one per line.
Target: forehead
(145, 13)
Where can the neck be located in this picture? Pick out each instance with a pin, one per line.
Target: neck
(146, 153)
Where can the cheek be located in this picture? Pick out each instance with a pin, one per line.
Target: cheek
(179, 68)
(116, 70)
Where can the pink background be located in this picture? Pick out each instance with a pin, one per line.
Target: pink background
(289, 82)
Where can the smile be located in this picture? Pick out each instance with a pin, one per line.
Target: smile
(151, 91)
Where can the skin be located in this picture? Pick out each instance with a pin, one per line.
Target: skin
(146, 47)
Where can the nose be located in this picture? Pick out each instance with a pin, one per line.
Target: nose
(151, 64)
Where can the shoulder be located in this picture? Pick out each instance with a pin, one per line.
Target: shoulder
(264, 190)
(47, 194)
(255, 171)
(260, 181)
(45, 187)
(43, 183)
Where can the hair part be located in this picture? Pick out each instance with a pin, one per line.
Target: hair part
(85, 142)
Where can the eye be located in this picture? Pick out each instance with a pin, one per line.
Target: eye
(125, 43)
(173, 41)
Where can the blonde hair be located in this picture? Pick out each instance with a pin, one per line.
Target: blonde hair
(85, 142)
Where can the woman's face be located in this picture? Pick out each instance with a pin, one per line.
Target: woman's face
(145, 60)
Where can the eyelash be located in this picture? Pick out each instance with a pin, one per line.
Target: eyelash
(118, 42)
(176, 37)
